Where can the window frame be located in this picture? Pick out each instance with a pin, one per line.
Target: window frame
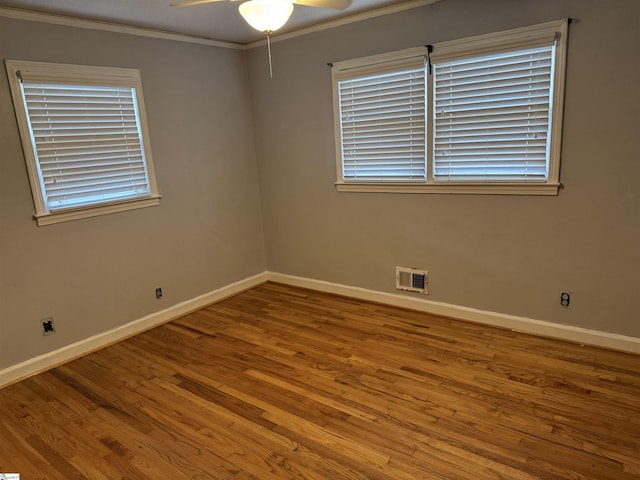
(78, 75)
(406, 60)
(547, 33)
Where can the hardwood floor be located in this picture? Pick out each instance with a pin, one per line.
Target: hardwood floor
(279, 383)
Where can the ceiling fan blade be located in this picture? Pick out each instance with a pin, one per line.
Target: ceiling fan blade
(188, 3)
(333, 4)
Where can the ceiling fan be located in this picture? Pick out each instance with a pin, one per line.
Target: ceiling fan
(267, 16)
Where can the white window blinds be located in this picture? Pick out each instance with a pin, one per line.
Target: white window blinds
(492, 122)
(492, 116)
(382, 124)
(87, 141)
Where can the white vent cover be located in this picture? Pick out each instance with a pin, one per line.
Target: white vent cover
(412, 280)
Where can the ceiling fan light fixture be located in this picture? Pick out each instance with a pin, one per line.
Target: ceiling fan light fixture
(266, 15)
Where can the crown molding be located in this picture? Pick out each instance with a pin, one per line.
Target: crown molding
(356, 17)
(69, 21)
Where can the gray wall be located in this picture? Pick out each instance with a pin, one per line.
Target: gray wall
(95, 274)
(508, 254)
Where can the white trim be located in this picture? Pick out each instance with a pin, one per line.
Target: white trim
(95, 211)
(68, 73)
(560, 72)
(519, 324)
(101, 340)
(356, 17)
(406, 67)
(522, 37)
(511, 322)
(550, 33)
(19, 71)
(544, 34)
(411, 56)
(458, 188)
(67, 21)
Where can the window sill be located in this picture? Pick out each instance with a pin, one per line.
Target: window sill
(455, 188)
(70, 214)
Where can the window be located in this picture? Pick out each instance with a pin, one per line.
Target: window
(382, 122)
(479, 115)
(84, 137)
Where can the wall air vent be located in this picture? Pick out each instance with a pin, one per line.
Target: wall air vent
(412, 280)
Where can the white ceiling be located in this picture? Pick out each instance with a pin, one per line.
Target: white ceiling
(214, 21)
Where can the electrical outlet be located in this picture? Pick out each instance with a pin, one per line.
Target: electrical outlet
(565, 299)
(48, 328)
(158, 292)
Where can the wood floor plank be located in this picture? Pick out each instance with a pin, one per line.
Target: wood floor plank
(286, 383)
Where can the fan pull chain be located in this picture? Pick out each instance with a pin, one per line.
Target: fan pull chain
(269, 50)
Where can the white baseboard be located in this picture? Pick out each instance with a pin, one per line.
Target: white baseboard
(96, 342)
(511, 322)
(520, 324)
